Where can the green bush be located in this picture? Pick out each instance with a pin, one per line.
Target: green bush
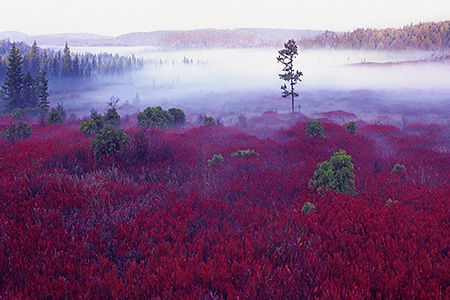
(245, 153)
(179, 118)
(351, 127)
(112, 118)
(314, 128)
(54, 117)
(73, 116)
(335, 174)
(155, 117)
(18, 115)
(397, 168)
(209, 121)
(308, 207)
(390, 201)
(109, 141)
(217, 159)
(19, 131)
(93, 125)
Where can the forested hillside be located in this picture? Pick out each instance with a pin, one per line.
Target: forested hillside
(424, 36)
(65, 64)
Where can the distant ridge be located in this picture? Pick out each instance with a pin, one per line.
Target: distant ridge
(283, 34)
(50, 39)
(201, 38)
(423, 36)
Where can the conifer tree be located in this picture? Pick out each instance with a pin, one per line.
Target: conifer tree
(29, 91)
(12, 86)
(291, 76)
(34, 59)
(67, 62)
(42, 90)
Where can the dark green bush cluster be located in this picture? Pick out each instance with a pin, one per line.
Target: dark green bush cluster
(351, 127)
(209, 121)
(97, 122)
(314, 128)
(19, 131)
(397, 168)
(179, 118)
(112, 118)
(55, 117)
(93, 125)
(160, 118)
(109, 141)
(245, 153)
(335, 174)
(217, 159)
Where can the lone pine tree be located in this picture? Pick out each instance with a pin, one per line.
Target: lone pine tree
(291, 76)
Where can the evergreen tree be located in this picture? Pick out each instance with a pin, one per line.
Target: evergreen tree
(29, 91)
(12, 86)
(34, 59)
(67, 62)
(76, 66)
(42, 90)
(291, 76)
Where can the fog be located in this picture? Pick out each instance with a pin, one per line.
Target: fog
(245, 81)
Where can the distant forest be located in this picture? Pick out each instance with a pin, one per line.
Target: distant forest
(64, 64)
(424, 36)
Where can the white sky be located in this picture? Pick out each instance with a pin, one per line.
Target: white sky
(114, 18)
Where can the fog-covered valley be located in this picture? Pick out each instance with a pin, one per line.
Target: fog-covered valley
(227, 83)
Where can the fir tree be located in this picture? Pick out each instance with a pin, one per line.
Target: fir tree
(29, 91)
(67, 62)
(42, 90)
(12, 86)
(34, 59)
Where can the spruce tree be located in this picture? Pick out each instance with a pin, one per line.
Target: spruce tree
(12, 86)
(67, 62)
(29, 91)
(42, 90)
(34, 59)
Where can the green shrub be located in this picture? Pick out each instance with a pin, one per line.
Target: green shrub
(209, 121)
(314, 128)
(109, 141)
(73, 116)
(308, 207)
(217, 159)
(335, 174)
(351, 127)
(397, 168)
(179, 118)
(19, 131)
(245, 153)
(155, 117)
(61, 110)
(389, 202)
(54, 117)
(93, 125)
(112, 118)
(18, 115)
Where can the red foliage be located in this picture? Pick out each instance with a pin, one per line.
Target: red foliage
(156, 222)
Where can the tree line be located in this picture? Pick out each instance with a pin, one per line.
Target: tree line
(65, 64)
(424, 36)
